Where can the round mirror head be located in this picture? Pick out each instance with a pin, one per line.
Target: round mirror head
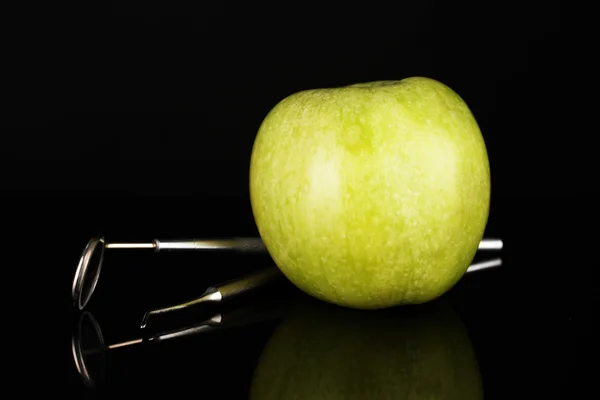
(88, 351)
(88, 272)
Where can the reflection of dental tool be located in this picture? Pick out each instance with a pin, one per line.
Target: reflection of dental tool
(90, 263)
(89, 359)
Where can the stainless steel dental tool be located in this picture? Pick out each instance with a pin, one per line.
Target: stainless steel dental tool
(90, 263)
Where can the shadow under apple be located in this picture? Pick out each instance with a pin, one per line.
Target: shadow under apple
(322, 351)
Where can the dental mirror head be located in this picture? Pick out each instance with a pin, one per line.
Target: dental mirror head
(88, 350)
(88, 272)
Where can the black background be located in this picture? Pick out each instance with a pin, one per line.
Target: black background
(166, 98)
(137, 119)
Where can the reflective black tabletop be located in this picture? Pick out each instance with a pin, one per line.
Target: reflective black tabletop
(520, 330)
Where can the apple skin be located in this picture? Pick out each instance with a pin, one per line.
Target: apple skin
(322, 351)
(371, 195)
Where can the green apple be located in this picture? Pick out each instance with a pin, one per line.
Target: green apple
(371, 195)
(323, 351)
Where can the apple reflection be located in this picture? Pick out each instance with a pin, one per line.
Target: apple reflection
(321, 351)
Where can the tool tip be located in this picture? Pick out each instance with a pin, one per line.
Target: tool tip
(145, 320)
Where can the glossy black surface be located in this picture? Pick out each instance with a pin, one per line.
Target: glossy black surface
(529, 322)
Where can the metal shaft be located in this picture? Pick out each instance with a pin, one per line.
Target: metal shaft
(130, 246)
(236, 244)
(211, 323)
(491, 244)
(254, 244)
